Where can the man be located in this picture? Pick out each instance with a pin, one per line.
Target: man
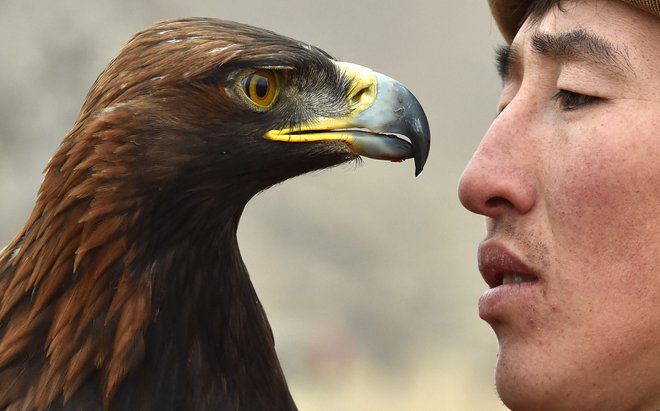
(568, 177)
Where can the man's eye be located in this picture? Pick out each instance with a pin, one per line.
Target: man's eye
(570, 100)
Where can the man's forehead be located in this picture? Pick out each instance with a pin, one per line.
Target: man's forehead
(511, 14)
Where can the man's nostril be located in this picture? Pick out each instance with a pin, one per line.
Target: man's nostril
(498, 201)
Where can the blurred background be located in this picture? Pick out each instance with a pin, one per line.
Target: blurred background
(368, 274)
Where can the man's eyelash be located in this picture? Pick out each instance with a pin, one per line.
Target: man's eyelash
(570, 100)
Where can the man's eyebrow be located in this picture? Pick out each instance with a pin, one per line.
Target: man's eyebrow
(576, 45)
(507, 58)
(581, 45)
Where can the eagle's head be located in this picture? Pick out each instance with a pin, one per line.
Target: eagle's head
(214, 104)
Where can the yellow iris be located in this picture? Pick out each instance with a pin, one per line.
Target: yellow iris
(261, 87)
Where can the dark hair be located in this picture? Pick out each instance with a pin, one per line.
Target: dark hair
(532, 9)
(537, 8)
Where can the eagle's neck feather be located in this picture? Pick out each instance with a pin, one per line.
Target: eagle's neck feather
(130, 322)
(209, 339)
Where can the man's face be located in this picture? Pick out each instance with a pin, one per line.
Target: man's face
(568, 176)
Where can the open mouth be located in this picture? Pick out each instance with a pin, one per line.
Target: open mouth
(341, 134)
(500, 267)
(515, 278)
(366, 142)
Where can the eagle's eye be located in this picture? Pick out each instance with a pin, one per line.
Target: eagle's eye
(261, 87)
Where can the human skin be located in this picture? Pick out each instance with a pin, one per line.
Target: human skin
(570, 187)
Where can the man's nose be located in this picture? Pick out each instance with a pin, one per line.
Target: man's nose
(500, 177)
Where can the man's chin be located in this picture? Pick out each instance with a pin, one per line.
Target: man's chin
(522, 379)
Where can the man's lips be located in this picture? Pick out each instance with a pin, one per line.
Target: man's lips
(513, 284)
(499, 267)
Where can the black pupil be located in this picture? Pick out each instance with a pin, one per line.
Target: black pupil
(261, 88)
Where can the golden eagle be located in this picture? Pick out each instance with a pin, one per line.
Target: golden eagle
(126, 290)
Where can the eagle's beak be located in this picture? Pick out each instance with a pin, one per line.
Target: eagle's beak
(383, 113)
